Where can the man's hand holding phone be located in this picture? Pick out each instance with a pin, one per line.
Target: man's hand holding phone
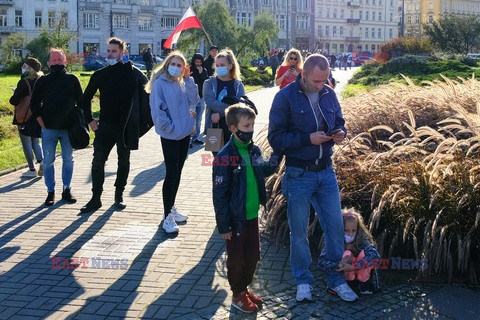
(337, 135)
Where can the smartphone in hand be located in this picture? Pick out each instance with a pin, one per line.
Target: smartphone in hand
(330, 133)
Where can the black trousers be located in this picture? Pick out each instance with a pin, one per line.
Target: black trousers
(175, 153)
(243, 253)
(106, 136)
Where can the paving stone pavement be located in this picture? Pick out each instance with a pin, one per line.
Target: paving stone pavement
(130, 268)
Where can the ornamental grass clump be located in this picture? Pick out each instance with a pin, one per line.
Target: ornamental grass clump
(411, 165)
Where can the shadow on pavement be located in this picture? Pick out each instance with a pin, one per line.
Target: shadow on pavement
(134, 276)
(22, 183)
(147, 180)
(35, 277)
(199, 296)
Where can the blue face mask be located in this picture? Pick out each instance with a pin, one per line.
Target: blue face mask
(174, 71)
(221, 71)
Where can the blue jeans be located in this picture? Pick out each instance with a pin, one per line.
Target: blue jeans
(30, 147)
(302, 188)
(199, 109)
(50, 138)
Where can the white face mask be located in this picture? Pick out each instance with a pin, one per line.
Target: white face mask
(111, 62)
(348, 239)
(174, 71)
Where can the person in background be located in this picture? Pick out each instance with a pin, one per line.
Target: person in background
(274, 63)
(227, 82)
(173, 95)
(209, 62)
(31, 145)
(289, 70)
(148, 59)
(199, 74)
(53, 99)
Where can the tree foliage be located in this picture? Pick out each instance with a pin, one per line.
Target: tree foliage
(406, 45)
(13, 41)
(454, 34)
(58, 37)
(225, 32)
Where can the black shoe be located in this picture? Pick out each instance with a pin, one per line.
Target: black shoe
(365, 287)
(92, 205)
(50, 199)
(191, 145)
(67, 196)
(199, 142)
(119, 203)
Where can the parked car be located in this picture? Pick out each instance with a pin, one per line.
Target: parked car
(137, 60)
(92, 64)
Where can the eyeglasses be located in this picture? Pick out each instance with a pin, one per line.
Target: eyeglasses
(293, 58)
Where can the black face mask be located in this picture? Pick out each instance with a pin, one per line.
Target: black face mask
(57, 68)
(244, 136)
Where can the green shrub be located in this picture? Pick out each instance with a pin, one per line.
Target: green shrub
(251, 77)
(13, 66)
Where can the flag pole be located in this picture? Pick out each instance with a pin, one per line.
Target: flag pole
(208, 37)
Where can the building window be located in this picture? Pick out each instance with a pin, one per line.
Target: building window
(18, 18)
(430, 18)
(51, 19)
(327, 31)
(145, 24)
(366, 15)
(302, 22)
(390, 33)
(244, 18)
(334, 31)
(334, 13)
(121, 1)
(417, 19)
(121, 21)
(366, 33)
(341, 13)
(366, 47)
(373, 33)
(380, 16)
(409, 19)
(64, 19)
(341, 31)
(379, 33)
(281, 21)
(320, 31)
(90, 21)
(91, 48)
(430, 6)
(373, 47)
(3, 18)
(373, 16)
(169, 22)
(360, 14)
(391, 16)
(328, 12)
(38, 19)
(145, 2)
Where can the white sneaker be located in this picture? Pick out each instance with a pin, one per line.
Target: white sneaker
(30, 174)
(345, 292)
(179, 217)
(304, 292)
(169, 224)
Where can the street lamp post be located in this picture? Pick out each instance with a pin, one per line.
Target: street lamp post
(402, 19)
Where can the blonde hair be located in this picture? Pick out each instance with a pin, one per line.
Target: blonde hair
(163, 69)
(362, 232)
(299, 58)
(230, 56)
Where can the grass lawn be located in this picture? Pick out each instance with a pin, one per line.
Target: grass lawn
(11, 152)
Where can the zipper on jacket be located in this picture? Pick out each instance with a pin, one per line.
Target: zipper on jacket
(320, 153)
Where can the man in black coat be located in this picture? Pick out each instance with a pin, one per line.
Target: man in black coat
(124, 118)
(210, 61)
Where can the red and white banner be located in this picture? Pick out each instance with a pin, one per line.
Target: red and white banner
(188, 21)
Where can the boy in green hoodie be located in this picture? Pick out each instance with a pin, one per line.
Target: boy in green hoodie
(239, 172)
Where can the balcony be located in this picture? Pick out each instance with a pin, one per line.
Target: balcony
(91, 5)
(7, 29)
(353, 4)
(147, 9)
(352, 39)
(353, 21)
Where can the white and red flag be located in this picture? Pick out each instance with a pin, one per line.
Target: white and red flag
(188, 21)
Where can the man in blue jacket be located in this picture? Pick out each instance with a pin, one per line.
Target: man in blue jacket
(305, 122)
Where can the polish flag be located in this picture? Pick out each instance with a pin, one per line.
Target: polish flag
(188, 21)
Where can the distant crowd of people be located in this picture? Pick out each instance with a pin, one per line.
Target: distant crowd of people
(305, 122)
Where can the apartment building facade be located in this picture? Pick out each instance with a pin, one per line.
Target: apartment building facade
(29, 16)
(354, 25)
(419, 12)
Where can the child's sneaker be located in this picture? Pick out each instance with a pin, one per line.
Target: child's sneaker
(365, 287)
(30, 174)
(169, 224)
(177, 216)
(344, 292)
(243, 303)
(255, 299)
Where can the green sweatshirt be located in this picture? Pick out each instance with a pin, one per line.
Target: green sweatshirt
(253, 200)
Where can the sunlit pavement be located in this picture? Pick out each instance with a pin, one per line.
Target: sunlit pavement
(57, 263)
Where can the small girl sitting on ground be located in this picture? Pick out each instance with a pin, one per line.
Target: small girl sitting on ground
(361, 259)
